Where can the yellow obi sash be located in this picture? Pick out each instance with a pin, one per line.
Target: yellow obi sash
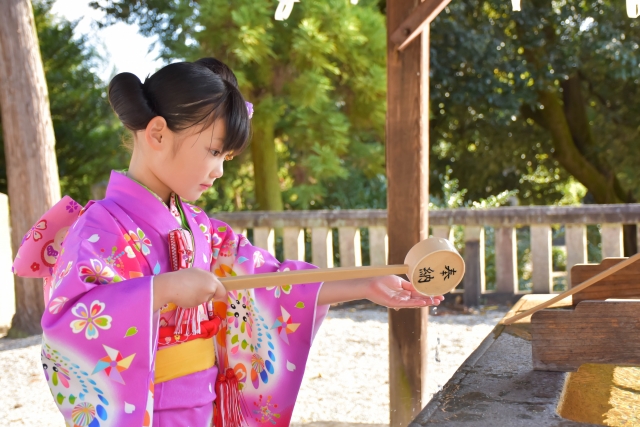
(184, 359)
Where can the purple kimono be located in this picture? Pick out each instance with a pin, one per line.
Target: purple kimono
(101, 333)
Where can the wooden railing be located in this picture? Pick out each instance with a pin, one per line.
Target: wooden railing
(298, 227)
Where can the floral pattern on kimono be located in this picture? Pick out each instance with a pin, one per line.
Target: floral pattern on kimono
(97, 351)
(100, 331)
(267, 333)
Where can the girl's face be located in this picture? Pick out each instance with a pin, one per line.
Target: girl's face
(194, 161)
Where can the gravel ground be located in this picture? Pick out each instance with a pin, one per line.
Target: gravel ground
(346, 379)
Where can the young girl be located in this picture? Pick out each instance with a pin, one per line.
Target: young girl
(138, 329)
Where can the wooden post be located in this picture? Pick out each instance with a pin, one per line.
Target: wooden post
(350, 250)
(29, 145)
(407, 156)
(506, 260)
(443, 232)
(576, 241)
(541, 259)
(264, 237)
(474, 279)
(378, 245)
(612, 243)
(322, 247)
(293, 243)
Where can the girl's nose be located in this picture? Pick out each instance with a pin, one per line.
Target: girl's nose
(217, 171)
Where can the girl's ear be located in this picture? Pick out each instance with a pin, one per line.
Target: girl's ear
(154, 133)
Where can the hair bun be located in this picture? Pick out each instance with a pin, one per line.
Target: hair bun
(220, 68)
(129, 101)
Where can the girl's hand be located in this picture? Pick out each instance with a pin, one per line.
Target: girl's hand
(389, 291)
(186, 288)
(394, 292)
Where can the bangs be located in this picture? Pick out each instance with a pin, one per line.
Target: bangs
(237, 121)
(232, 109)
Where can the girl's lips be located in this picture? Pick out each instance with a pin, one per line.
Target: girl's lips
(205, 186)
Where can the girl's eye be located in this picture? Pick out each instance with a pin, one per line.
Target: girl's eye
(215, 153)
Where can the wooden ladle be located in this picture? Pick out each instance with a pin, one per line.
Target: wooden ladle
(433, 266)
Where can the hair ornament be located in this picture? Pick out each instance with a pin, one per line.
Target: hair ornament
(249, 108)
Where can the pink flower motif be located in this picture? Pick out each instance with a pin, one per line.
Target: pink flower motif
(140, 241)
(72, 206)
(97, 273)
(35, 231)
(35, 266)
(90, 319)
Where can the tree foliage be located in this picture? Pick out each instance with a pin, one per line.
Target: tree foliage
(318, 82)
(529, 99)
(542, 101)
(87, 133)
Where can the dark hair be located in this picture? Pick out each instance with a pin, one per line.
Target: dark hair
(185, 94)
(220, 68)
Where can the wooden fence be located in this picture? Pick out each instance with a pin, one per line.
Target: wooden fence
(318, 227)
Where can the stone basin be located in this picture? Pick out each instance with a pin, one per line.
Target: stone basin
(497, 386)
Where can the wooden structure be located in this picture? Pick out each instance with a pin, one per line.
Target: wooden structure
(623, 284)
(594, 331)
(345, 226)
(319, 227)
(407, 157)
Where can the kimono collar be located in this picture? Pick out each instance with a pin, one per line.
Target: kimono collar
(145, 206)
(140, 202)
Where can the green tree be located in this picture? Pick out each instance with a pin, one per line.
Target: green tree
(88, 135)
(317, 80)
(529, 99)
(549, 61)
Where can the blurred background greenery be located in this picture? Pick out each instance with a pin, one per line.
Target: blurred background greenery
(538, 107)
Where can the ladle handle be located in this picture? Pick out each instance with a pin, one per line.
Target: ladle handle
(295, 277)
(608, 272)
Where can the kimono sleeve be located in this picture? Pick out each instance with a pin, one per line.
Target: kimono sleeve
(98, 327)
(267, 332)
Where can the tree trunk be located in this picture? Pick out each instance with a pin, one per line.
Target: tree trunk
(29, 143)
(575, 108)
(567, 153)
(574, 149)
(265, 159)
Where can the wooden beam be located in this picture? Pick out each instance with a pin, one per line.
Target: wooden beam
(621, 284)
(576, 242)
(506, 261)
(474, 281)
(506, 216)
(528, 215)
(595, 332)
(407, 155)
(612, 242)
(417, 21)
(541, 259)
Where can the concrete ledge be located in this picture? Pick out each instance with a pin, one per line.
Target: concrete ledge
(497, 386)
